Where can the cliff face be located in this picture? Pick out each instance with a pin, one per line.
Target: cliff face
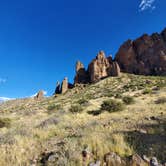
(145, 55)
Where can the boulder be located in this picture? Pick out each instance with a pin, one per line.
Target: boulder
(136, 160)
(112, 159)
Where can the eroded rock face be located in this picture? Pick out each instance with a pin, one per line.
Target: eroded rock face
(64, 86)
(82, 76)
(145, 55)
(58, 88)
(40, 95)
(99, 68)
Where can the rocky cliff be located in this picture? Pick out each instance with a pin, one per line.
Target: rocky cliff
(145, 55)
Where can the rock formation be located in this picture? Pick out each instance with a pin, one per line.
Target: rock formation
(99, 68)
(81, 74)
(40, 95)
(145, 55)
(58, 88)
(63, 87)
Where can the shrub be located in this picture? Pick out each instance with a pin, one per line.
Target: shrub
(5, 122)
(112, 106)
(95, 112)
(161, 100)
(128, 100)
(147, 91)
(53, 107)
(76, 108)
(82, 101)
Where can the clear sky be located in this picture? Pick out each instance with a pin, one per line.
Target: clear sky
(40, 40)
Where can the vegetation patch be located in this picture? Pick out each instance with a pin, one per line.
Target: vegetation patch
(5, 122)
(112, 106)
(76, 108)
(128, 100)
(161, 100)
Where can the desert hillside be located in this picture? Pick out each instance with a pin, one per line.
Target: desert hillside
(122, 116)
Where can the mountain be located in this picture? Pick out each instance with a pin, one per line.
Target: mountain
(2, 99)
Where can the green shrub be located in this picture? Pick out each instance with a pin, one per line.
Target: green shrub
(95, 112)
(53, 107)
(76, 108)
(82, 101)
(128, 100)
(118, 96)
(5, 122)
(112, 106)
(147, 91)
(161, 100)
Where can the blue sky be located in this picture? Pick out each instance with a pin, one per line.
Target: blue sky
(41, 40)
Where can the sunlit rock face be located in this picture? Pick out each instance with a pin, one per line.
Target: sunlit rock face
(145, 55)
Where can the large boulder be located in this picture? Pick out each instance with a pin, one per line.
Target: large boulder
(145, 55)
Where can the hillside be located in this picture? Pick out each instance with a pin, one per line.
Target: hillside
(125, 115)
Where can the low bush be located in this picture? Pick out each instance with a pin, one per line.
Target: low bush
(95, 112)
(128, 100)
(5, 122)
(53, 107)
(147, 91)
(112, 106)
(161, 100)
(76, 108)
(82, 101)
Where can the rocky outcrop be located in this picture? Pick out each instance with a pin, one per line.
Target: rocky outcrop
(58, 88)
(40, 95)
(145, 55)
(99, 68)
(82, 76)
(63, 87)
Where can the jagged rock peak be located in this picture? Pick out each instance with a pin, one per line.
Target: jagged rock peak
(79, 66)
(64, 86)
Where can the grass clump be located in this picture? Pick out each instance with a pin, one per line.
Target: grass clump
(53, 107)
(82, 101)
(5, 122)
(147, 91)
(161, 100)
(112, 106)
(76, 108)
(128, 100)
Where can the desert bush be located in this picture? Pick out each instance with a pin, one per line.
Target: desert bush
(128, 100)
(82, 101)
(53, 107)
(5, 122)
(76, 108)
(161, 100)
(112, 106)
(118, 96)
(95, 112)
(147, 91)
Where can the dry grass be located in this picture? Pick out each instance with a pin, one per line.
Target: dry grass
(40, 125)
